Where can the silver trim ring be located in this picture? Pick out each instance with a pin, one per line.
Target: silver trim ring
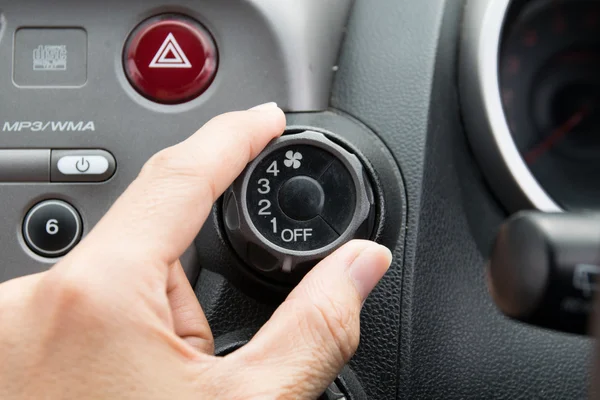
(55, 253)
(496, 150)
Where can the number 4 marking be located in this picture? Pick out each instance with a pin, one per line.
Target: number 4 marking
(273, 169)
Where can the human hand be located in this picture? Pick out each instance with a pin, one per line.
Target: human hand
(117, 318)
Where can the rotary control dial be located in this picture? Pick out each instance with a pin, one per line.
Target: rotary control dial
(300, 199)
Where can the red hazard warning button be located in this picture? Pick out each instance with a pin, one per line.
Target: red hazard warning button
(170, 59)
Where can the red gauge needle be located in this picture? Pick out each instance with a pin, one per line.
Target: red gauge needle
(541, 148)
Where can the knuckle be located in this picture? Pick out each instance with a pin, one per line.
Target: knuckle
(67, 292)
(164, 161)
(227, 120)
(343, 326)
(171, 164)
(337, 326)
(235, 124)
(68, 297)
(204, 345)
(287, 391)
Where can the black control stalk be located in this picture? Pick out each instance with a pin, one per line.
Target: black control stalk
(543, 269)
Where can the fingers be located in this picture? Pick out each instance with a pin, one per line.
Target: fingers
(315, 332)
(189, 321)
(161, 212)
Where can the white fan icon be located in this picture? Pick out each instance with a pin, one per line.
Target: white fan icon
(292, 159)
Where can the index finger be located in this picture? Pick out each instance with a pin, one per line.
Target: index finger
(161, 212)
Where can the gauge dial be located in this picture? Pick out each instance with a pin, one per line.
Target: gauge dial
(549, 76)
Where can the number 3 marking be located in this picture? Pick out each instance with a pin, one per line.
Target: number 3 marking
(265, 186)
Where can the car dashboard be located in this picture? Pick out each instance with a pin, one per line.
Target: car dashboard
(424, 107)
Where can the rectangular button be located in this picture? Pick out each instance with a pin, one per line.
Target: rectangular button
(82, 166)
(51, 57)
(24, 165)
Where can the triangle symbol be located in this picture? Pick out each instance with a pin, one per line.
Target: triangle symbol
(170, 55)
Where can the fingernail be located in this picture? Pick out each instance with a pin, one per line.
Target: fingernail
(266, 106)
(369, 267)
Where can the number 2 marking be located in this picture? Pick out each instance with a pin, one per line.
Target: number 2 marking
(265, 204)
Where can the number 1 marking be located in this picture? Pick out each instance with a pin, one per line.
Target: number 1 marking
(274, 222)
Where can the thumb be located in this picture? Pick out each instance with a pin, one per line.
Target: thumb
(315, 332)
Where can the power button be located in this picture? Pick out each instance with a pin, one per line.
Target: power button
(81, 166)
(52, 228)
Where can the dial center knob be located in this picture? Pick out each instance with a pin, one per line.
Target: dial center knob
(302, 198)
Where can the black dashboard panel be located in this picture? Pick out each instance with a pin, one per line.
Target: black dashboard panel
(453, 342)
(381, 74)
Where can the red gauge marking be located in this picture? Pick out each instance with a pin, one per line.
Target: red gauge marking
(559, 24)
(514, 65)
(578, 57)
(508, 96)
(531, 38)
(591, 20)
(560, 132)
